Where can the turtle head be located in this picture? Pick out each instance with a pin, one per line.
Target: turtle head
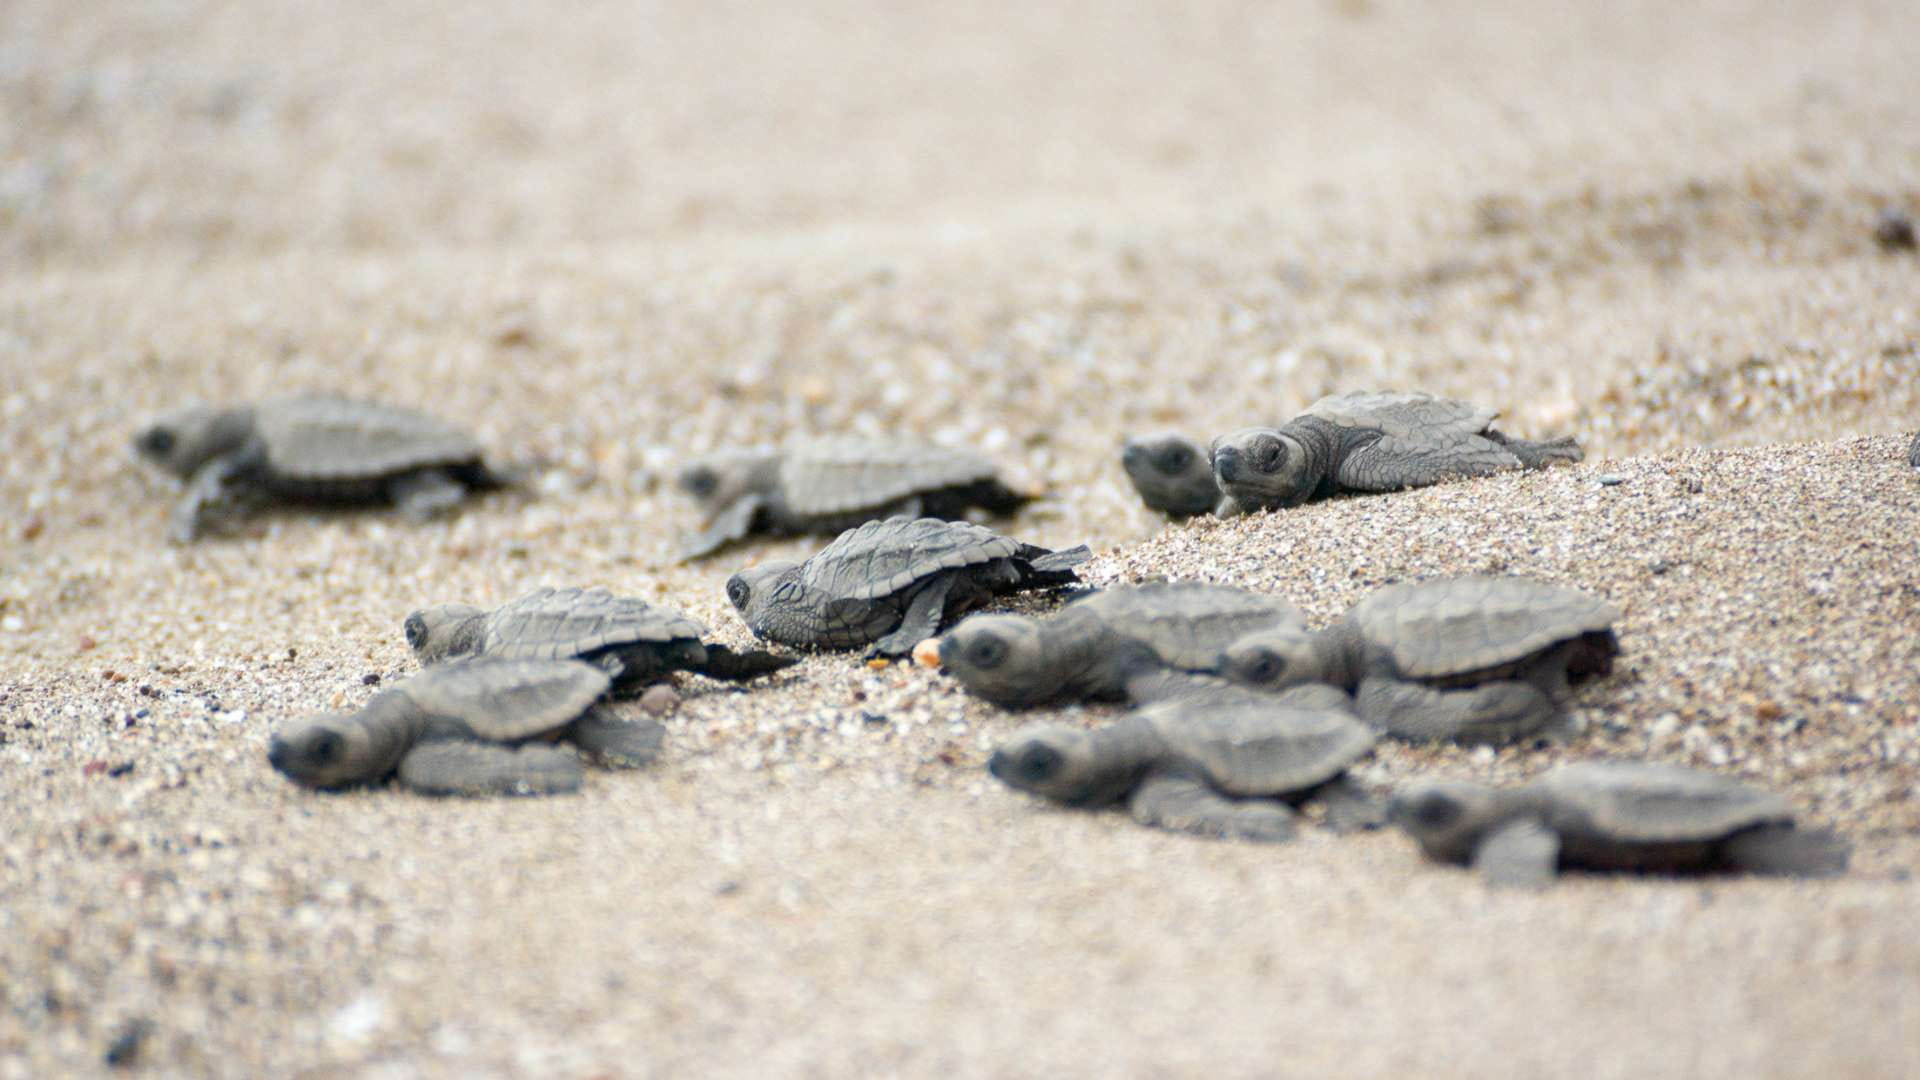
(1261, 467)
(1445, 817)
(1061, 763)
(1002, 658)
(1171, 473)
(752, 589)
(439, 633)
(1274, 659)
(721, 480)
(185, 439)
(326, 751)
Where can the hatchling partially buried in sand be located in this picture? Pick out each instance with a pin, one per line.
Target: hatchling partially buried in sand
(891, 584)
(310, 448)
(1174, 475)
(826, 486)
(1217, 770)
(1618, 815)
(1092, 648)
(476, 727)
(1371, 441)
(1478, 659)
(634, 641)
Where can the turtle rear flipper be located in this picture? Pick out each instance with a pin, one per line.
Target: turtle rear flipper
(617, 741)
(1188, 804)
(1522, 854)
(1783, 849)
(730, 525)
(1542, 453)
(426, 493)
(725, 663)
(459, 767)
(1056, 567)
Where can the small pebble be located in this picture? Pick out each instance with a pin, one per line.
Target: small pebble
(660, 700)
(371, 678)
(1893, 231)
(125, 1049)
(927, 653)
(1609, 479)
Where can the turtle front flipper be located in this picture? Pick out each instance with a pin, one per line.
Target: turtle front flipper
(1349, 807)
(1539, 455)
(921, 621)
(617, 742)
(1522, 854)
(1493, 712)
(1392, 464)
(460, 767)
(724, 663)
(1184, 803)
(424, 494)
(214, 499)
(728, 526)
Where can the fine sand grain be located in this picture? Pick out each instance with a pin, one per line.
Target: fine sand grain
(607, 235)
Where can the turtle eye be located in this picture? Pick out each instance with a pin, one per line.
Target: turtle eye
(416, 628)
(1435, 811)
(325, 748)
(1265, 667)
(1038, 763)
(699, 481)
(1176, 459)
(1266, 454)
(738, 592)
(987, 653)
(157, 441)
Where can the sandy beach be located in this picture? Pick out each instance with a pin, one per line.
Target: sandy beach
(609, 236)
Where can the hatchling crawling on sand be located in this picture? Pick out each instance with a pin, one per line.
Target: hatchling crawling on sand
(1480, 658)
(1216, 770)
(1614, 815)
(1174, 475)
(311, 448)
(892, 584)
(634, 641)
(1091, 648)
(475, 727)
(826, 486)
(1371, 441)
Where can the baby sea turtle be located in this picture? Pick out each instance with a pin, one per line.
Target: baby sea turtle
(1217, 770)
(1479, 658)
(1614, 815)
(463, 729)
(314, 448)
(634, 641)
(1173, 475)
(826, 486)
(1091, 648)
(891, 584)
(1371, 441)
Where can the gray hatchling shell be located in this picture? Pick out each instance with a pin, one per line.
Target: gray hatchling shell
(1188, 623)
(1410, 416)
(552, 624)
(1250, 749)
(826, 477)
(1452, 626)
(883, 557)
(508, 700)
(323, 437)
(1641, 802)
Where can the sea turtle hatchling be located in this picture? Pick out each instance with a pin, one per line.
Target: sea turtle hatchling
(1479, 658)
(1173, 475)
(464, 729)
(1215, 769)
(315, 448)
(1371, 441)
(891, 584)
(1614, 815)
(826, 486)
(1091, 648)
(636, 642)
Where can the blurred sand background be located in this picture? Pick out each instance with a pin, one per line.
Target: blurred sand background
(610, 234)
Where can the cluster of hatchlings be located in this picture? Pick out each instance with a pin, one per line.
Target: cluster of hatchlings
(1241, 713)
